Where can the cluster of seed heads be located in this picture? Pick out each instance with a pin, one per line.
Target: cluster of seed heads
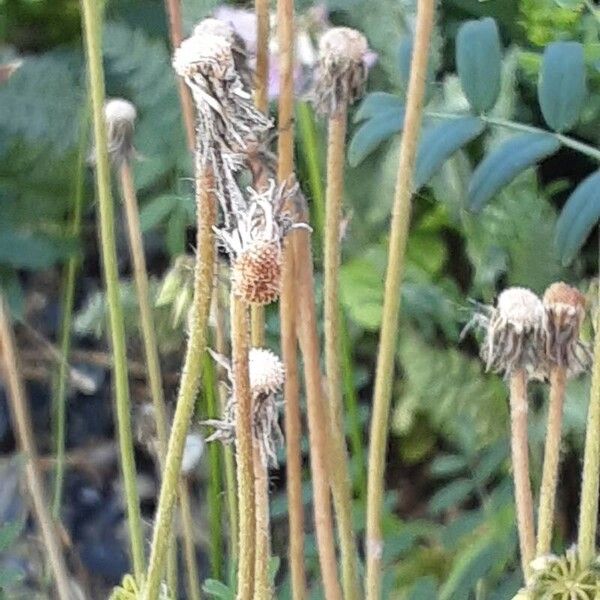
(342, 71)
(524, 332)
(267, 377)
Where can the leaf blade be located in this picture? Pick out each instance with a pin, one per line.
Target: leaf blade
(376, 103)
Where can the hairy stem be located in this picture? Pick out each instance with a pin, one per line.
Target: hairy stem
(190, 377)
(558, 377)
(243, 448)
(92, 26)
(60, 389)
(189, 547)
(588, 508)
(391, 305)
(520, 463)
(25, 437)
(340, 476)
(262, 583)
(287, 307)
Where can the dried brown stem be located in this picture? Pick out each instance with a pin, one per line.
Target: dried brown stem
(24, 434)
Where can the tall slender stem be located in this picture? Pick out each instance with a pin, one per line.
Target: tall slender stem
(340, 476)
(520, 463)
(391, 305)
(189, 548)
(60, 391)
(91, 26)
(24, 434)
(262, 583)
(558, 377)
(243, 446)
(173, 9)
(588, 508)
(287, 307)
(190, 377)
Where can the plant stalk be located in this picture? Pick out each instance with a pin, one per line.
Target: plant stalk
(287, 307)
(68, 303)
(262, 583)
(92, 26)
(340, 476)
(190, 377)
(588, 508)
(558, 378)
(243, 446)
(23, 432)
(391, 305)
(520, 464)
(189, 547)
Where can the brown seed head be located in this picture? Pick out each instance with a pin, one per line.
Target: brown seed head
(565, 311)
(341, 73)
(256, 272)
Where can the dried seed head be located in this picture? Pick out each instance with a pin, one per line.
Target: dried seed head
(256, 273)
(207, 55)
(267, 374)
(565, 311)
(255, 244)
(119, 116)
(342, 72)
(514, 332)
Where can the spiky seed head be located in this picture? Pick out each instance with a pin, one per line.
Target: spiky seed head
(565, 311)
(514, 332)
(267, 374)
(119, 116)
(342, 72)
(207, 54)
(256, 272)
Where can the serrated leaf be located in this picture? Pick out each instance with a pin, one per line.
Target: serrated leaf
(562, 86)
(376, 103)
(504, 163)
(373, 133)
(447, 465)
(450, 495)
(578, 217)
(479, 62)
(440, 141)
(217, 589)
(156, 210)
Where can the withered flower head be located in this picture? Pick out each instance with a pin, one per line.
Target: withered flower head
(342, 72)
(565, 311)
(119, 116)
(255, 244)
(267, 377)
(514, 332)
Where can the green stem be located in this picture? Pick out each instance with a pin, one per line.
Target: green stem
(92, 26)
(340, 476)
(565, 140)
(310, 151)
(190, 377)
(210, 411)
(588, 515)
(391, 305)
(60, 389)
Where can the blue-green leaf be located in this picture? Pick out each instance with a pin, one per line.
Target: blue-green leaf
(157, 209)
(440, 141)
(9, 533)
(217, 589)
(376, 103)
(28, 250)
(578, 217)
(562, 86)
(504, 163)
(447, 465)
(479, 62)
(450, 495)
(373, 132)
(425, 588)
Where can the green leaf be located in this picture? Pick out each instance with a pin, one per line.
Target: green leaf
(9, 577)
(156, 210)
(9, 533)
(578, 217)
(176, 230)
(504, 163)
(440, 141)
(425, 588)
(217, 589)
(450, 495)
(25, 250)
(447, 465)
(374, 132)
(376, 103)
(479, 62)
(562, 86)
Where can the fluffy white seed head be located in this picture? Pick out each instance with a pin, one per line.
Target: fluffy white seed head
(216, 27)
(118, 110)
(208, 54)
(267, 374)
(342, 44)
(119, 116)
(521, 308)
